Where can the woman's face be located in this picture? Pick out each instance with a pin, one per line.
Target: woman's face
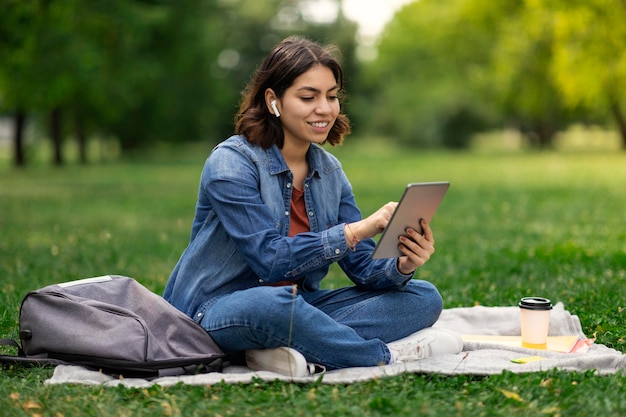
(309, 107)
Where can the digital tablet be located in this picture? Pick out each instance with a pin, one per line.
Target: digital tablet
(419, 201)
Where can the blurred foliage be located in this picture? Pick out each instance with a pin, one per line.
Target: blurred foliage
(150, 71)
(427, 78)
(144, 71)
(449, 68)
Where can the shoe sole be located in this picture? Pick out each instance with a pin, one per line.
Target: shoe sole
(282, 360)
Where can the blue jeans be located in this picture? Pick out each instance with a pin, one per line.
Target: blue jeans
(341, 328)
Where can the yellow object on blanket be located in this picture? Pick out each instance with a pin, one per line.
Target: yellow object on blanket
(527, 359)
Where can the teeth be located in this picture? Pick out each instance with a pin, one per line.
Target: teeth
(319, 124)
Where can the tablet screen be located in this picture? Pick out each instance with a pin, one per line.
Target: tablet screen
(419, 201)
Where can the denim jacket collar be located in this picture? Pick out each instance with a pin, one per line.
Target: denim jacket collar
(277, 164)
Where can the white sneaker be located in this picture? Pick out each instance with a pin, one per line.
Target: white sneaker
(282, 360)
(427, 342)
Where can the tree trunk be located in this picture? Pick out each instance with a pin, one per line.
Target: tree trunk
(540, 135)
(81, 138)
(620, 119)
(56, 135)
(18, 140)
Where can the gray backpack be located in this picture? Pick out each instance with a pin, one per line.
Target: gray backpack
(113, 324)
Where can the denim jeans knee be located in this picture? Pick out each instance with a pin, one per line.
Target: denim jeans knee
(350, 327)
(268, 317)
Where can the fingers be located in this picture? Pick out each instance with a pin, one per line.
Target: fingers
(385, 213)
(416, 244)
(426, 240)
(417, 247)
(391, 206)
(376, 222)
(428, 232)
(387, 210)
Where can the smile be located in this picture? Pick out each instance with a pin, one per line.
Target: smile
(319, 124)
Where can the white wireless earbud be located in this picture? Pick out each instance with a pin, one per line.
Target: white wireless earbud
(273, 106)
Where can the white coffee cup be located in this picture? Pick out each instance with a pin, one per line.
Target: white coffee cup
(535, 320)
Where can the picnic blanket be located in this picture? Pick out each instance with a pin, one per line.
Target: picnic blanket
(479, 357)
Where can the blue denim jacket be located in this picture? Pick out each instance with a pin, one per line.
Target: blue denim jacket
(239, 237)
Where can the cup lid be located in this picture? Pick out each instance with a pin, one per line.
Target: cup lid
(535, 303)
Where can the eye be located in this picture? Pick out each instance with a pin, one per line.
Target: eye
(307, 98)
(333, 98)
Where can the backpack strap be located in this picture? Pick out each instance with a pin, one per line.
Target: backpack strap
(13, 343)
(23, 359)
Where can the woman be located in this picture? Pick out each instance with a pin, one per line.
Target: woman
(274, 211)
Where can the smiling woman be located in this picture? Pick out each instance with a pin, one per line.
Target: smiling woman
(309, 110)
(292, 73)
(274, 212)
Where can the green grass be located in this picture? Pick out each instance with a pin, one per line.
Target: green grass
(512, 224)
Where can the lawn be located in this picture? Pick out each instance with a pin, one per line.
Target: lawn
(513, 224)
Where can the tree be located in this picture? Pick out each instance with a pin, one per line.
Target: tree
(424, 87)
(454, 67)
(55, 62)
(16, 27)
(122, 66)
(519, 69)
(144, 71)
(589, 64)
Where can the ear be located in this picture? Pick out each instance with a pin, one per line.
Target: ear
(270, 96)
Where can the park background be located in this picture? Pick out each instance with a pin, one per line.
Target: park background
(94, 80)
(109, 109)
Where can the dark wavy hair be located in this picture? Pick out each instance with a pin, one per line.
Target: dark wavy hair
(287, 61)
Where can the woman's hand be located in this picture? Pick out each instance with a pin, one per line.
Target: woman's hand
(417, 248)
(370, 226)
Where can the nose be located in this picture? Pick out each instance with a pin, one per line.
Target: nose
(325, 107)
